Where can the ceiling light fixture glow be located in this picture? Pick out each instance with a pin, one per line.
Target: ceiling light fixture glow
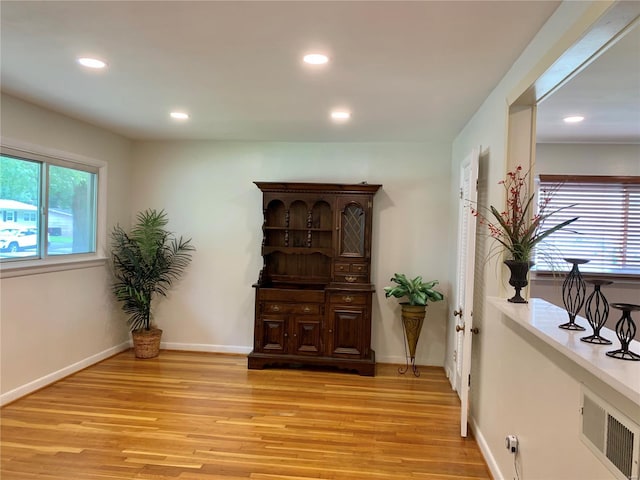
(340, 115)
(180, 115)
(573, 119)
(91, 63)
(315, 59)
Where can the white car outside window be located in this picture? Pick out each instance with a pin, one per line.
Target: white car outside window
(15, 239)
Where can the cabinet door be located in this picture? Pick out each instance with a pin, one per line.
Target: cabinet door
(354, 226)
(346, 331)
(274, 334)
(306, 338)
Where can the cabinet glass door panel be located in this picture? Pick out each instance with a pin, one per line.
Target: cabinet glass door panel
(353, 231)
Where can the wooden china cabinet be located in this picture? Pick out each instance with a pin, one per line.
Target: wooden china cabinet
(314, 293)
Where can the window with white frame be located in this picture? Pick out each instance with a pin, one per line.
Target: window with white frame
(607, 232)
(48, 206)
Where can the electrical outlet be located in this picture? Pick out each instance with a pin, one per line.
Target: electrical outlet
(511, 442)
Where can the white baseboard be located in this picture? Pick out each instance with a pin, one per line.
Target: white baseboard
(393, 359)
(37, 384)
(486, 451)
(448, 371)
(401, 360)
(205, 347)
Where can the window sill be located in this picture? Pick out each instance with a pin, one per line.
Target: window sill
(541, 318)
(560, 276)
(37, 267)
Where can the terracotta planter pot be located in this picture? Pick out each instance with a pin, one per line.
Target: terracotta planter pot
(146, 343)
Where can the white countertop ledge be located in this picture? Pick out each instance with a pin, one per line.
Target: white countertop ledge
(542, 318)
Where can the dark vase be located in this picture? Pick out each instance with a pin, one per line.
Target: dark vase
(519, 270)
(626, 330)
(573, 293)
(596, 310)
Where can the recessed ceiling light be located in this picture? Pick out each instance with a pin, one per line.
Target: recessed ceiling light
(91, 62)
(179, 115)
(341, 115)
(315, 59)
(573, 119)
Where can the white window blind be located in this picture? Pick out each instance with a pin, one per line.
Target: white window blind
(607, 232)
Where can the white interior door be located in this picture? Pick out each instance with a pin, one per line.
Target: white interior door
(464, 293)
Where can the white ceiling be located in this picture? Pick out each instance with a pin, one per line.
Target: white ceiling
(409, 71)
(606, 93)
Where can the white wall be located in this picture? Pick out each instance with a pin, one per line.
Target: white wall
(588, 159)
(517, 387)
(52, 322)
(207, 190)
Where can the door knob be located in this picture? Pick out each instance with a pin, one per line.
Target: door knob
(475, 330)
(457, 313)
(460, 328)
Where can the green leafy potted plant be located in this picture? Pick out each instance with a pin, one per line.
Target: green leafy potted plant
(418, 293)
(146, 262)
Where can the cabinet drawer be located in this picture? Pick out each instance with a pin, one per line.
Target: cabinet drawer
(291, 295)
(359, 268)
(275, 307)
(349, 299)
(351, 268)
(351, 278)
(306, 309)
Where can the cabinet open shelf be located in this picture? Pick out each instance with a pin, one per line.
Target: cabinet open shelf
(300, 229)
(298, 250)
(296, 281)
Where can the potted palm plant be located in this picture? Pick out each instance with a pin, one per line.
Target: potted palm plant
(418, 294)
(146, 262)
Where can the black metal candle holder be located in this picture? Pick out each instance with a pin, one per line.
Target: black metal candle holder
(626, 330)
(596, 310)
(573, 293)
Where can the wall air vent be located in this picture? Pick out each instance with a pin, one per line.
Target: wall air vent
(614, 438)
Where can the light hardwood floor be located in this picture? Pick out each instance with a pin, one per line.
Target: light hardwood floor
(202, 416)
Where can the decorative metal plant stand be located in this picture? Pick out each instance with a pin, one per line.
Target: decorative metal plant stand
(412, 320)
(626, 330)
(597, 311)
(573, 294)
